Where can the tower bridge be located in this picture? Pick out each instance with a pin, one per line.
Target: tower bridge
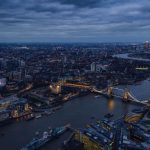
(110, 91)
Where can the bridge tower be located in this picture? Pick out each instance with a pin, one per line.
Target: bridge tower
(110, 91)
(126, 95)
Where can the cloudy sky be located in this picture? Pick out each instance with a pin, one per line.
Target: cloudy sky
(74, 20)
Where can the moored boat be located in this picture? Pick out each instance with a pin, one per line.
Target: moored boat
(52, 134)
(38, 116)
(5, 117)
(109, 115)
(30, 117)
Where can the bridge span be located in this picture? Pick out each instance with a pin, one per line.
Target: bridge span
(110, 91)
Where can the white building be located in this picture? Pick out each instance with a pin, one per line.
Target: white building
(93, 67)
(2, 82)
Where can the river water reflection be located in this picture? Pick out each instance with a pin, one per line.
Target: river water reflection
(78, 112)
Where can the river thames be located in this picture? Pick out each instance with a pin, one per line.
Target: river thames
(78, 112)
(126, 56)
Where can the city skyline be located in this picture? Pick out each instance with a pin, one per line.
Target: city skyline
(74, 21)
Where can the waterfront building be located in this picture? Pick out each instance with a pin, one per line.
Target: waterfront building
(20, 108)
(6, 102)
(95, 137)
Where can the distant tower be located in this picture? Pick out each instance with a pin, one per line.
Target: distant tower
(22, 70)
(146, 45)
(65, 59)
(93, 67)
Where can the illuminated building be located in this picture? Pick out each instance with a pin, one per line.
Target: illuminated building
(56, 89)
(20, 108)
(146, 45)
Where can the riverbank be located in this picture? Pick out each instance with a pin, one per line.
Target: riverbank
(78, 112)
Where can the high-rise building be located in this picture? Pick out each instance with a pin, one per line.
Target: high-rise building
(65, 59)
(2, 82)
(146, 45)
(93, 67)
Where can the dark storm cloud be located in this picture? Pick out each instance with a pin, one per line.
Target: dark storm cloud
(81, 3)
(74, 20)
